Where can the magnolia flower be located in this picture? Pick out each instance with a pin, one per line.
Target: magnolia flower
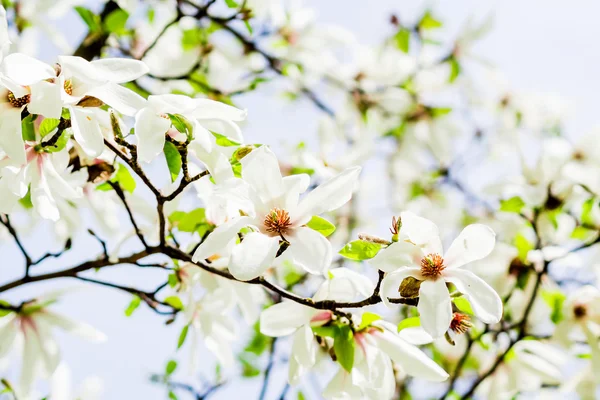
(61, 386)
(32, 326)
(23, 84)
(84, 83)
(4, 39)
(420, 244)
(278, 214)
(44, 173)
(206, 116)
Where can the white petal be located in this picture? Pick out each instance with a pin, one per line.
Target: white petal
(475, 242)
(86, 131)
(8, 333)
(412, 360)
(328, 196)
(391, 283)
(346, 285)
(253, 256)
(293, 186)
(57, 183)
(77, 328)
(304, 346)
(435, 307)
(485, 302)
(80, 68)
(284, 318)
(218, 239)
(41, 196)
(123, 100)
(397, 255)
(119, 70)
(260, 169)
(45, 100)
(210, 109)
(11, 139)
(422, 232)
(415, 335)
(150, 130)
(26, 70)
(310, 250)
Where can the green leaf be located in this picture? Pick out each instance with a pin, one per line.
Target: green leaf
(321, 225)
(359, 250)
(259, 342)
(27, 129)
(555, 300)
(249, 367)
(324, 331)
(182, 336)
(48, 125)
(428, 22)
(402, 39)
(174, 302)
(173, 280)
(367, 320)
(26, 200)
(409, 323)
(587, 212)
(172, 396)
(463, 305)
(133, 305)
(124, 178)
(454, 69)
(91, 20)
(231, 3)
(181, 124)
(224, 141)
(581, 233)
(248, 27)
(60, 144)
(173, 160)
(514, 204)
(523, 246)
(190, 221)
(343, 345)
(115, 21)
(171, 366)
(439, 111)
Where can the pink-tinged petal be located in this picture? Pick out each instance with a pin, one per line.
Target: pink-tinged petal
(310, 250)
(485, 302)
(284, 318)
(123, 100)
(11, 139)
(412, 360)
(391, 283)
(251, 258)
(219, 239)
(86, 131)
(260, 169)
(328, 196)
(150, 130)
(421, 232)
(395, 256)
(45, 100)
(25, 70)
(435, 307)
(475, 242)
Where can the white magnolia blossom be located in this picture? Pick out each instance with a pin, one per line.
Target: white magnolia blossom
(279, 214)
(420, 244)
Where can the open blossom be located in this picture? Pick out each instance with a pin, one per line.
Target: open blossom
(278, 214)
(419, 254)
(32, 326)
(206, 116)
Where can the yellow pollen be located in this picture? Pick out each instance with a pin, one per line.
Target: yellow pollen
(277, 221)
(18, 102)
(460, 323)
(69, 87)
(432, 265)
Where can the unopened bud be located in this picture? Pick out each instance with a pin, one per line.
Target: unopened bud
(242, 152)
(395, 229)
(373, 239)
(89, 101)
(409, 287)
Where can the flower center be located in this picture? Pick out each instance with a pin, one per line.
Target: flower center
(277, 221)
(18, 102)
(69, 87)
(579, 311)
(460, 323)
(432, 265)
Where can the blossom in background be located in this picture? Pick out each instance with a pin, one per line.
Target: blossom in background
(420, 244)
(278, 214)
(30, 331)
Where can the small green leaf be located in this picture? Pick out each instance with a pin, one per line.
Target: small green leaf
(249, 367)
(48, 125)
(124, 178)
(343, 345)
(181, 124)
(321, 225)
(173, 280)
(463, 305)
(429, 22)
(133, 305)
(26, 200)
(587, 217)
(115, 21)
(402, 39)
(454, 69)
(248, 27)
(91, 20)
(172, 396)
(60, 144)
(367, 320)
(555, 300)
(231, 3)
(359, 250)
(523, 246)
(182, 336)
(174, 302)
(259, 342)
(581, 233)
(173, 160)
(27, 129)
(324, 331)
(171, 366)
(224, 141)
(439, 111)
(409, 323)
(514, 204)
